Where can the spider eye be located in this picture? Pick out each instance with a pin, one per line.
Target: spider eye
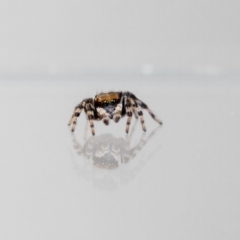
(105, 103)
(113, 101)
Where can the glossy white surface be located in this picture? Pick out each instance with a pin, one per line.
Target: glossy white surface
(182, 184)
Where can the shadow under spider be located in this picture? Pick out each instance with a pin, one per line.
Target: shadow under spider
(107, 151)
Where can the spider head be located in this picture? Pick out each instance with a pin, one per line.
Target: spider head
(107, 101)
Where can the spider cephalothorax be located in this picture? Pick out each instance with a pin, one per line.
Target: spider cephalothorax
(111, 105)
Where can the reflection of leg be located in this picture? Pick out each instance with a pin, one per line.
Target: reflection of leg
(132, 152)
(85, 130)
(153, 132)
(77, 145)
(119, 149)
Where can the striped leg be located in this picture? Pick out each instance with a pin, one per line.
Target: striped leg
(140, 114)
(135, 113)
(90, 116)
(76, 114)
(103, 114)
(117, 113)
(144, 106)
(129, 112)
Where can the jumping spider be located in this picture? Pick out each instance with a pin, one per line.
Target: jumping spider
(111, 105)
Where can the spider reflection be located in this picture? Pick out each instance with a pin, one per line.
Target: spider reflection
(107, 151)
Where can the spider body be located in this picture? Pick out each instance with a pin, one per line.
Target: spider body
(111, 105)
(108, 101)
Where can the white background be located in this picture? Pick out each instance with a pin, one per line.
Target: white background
(109, 35)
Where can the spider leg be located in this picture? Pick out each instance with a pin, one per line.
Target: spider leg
(135, 113)
(129, 111)
(117, 113)
(140, 113)
(77, 111)
(128, 137)
(144, 106)
(90, 115)
(103, 115)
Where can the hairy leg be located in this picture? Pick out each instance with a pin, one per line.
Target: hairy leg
(117, 113)
(144, 106)
(90, 115)
(77, 111)
(129, 112)
(103, 115)
(140, 114)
